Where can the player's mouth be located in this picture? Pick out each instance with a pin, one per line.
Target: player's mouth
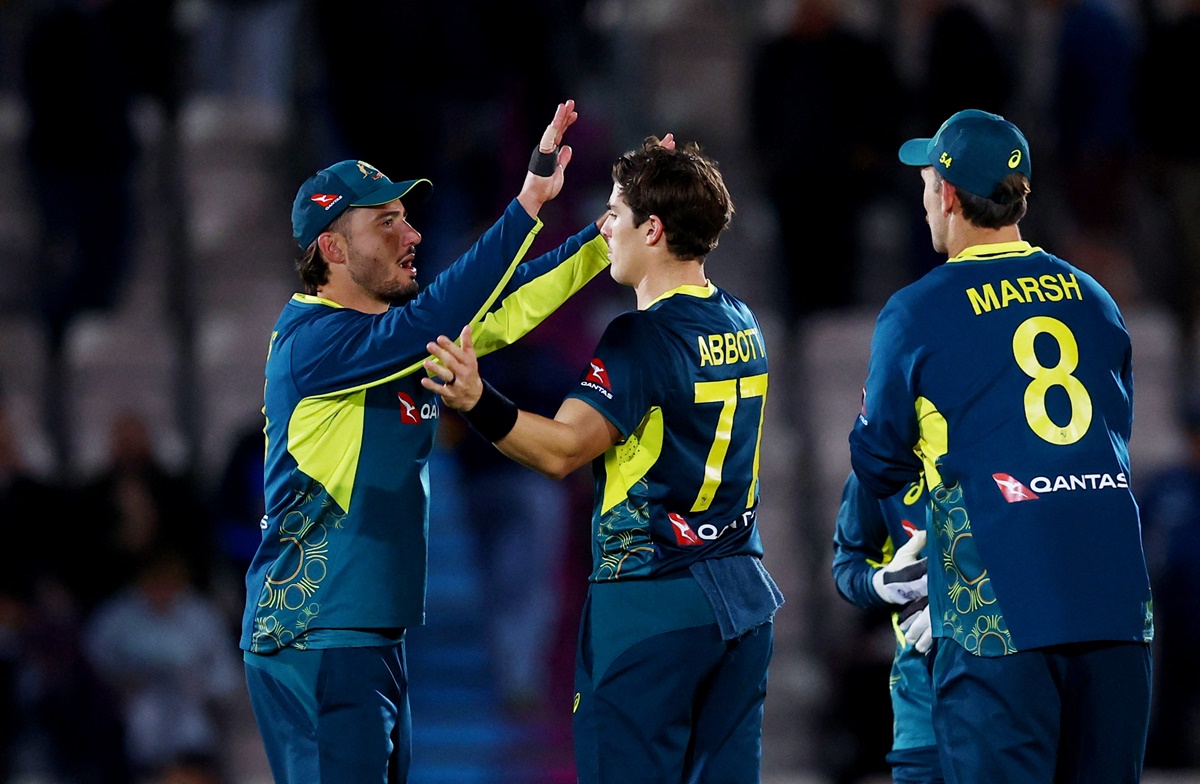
(408, 262)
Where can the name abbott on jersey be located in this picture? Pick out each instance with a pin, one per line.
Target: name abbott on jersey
(729, 347)
(1022, 291)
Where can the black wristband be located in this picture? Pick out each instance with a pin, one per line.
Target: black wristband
(543, 164)
(494, 415)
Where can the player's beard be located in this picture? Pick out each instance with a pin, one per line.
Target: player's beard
(377, 277)
(405, 292)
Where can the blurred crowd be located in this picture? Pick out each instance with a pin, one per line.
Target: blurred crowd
(103, 674)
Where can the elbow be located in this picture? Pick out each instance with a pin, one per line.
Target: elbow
(561, 467)
(551, 466)
(557, 473)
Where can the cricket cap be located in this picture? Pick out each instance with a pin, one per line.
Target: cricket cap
(974, 150)
(331, 191)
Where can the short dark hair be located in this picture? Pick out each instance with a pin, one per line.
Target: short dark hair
(683, 187)
(312, 266)
(1006, 206)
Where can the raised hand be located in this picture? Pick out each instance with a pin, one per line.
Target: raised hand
(538, 190)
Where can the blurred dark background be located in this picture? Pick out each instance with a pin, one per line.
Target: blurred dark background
(150, 151)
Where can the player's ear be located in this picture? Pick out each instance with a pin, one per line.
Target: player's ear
(655, 230)
(949, 196)
(333, 246)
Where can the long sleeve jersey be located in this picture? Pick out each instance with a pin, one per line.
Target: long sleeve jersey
(350, 430)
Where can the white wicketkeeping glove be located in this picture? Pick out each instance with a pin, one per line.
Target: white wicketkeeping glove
(903, 578)
(914, 622)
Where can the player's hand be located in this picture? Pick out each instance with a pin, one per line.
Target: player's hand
(538, 190)
(904, 578)
(564, 117)
(667, 142)
(915, 623)
(454, 371)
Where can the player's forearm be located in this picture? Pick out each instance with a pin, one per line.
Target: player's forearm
(533, 195)
(538, 287)
(547, 446)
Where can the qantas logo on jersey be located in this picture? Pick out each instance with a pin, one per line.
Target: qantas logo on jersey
(686, 536)
(599, 374)
(909, 527)
(1012, 490)
(326, 200)
(1015, 491)
(597, 378)
(409, 414)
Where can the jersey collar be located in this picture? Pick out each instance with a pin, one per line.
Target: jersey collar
(705, 291)
(309, 299)
(995, 250)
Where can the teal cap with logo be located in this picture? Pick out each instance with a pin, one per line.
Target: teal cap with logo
(974, 150)
(331, 191)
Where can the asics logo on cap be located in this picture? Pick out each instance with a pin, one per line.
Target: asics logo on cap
(326, 200)
(1014, 160)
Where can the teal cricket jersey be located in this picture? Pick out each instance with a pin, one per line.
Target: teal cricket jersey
(685, 383)
(1006, 375)
(866, 536)
(350, 430)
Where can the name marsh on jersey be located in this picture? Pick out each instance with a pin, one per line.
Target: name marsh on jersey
(1023, 291)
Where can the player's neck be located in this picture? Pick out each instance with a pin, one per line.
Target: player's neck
(964, 235)
(667, 276)
(353, 297)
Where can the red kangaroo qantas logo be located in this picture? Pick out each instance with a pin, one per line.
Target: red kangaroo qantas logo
(909, 528)
(409, 414)
(326, 200)
(599, 374)
(1012, 489)
(684, 535)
